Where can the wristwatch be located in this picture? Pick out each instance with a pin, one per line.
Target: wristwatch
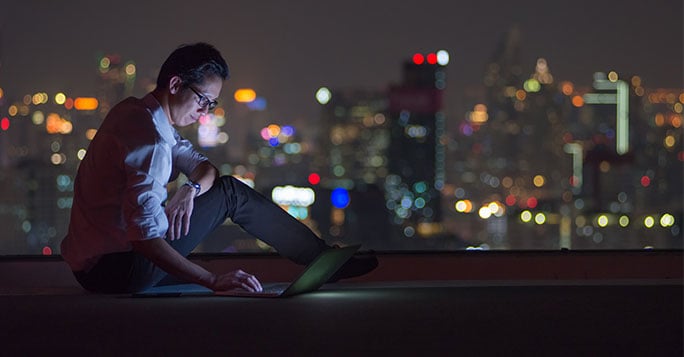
(195, 185)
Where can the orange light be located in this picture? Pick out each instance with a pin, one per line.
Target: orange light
(567, 88)
(245, 95)
(520, 94)
(85, 103)
(577, 101)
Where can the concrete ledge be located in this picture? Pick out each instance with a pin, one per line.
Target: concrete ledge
(36, 274)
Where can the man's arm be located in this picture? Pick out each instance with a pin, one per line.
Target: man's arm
(164, 256)
(180, 206)
(204, 174)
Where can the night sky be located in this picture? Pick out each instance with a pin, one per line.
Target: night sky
(285, 50)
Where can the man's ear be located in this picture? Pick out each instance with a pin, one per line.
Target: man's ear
(175, 84)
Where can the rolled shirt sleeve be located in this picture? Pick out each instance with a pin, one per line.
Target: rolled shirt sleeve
(146, 191)
(120, 188)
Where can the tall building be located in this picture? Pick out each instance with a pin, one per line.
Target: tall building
(353, 164)
(416, 151)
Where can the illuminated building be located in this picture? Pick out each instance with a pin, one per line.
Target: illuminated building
(416, 151)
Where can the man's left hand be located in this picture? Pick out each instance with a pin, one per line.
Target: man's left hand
(178, 211)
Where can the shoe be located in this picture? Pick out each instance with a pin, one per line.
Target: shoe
(355, 266)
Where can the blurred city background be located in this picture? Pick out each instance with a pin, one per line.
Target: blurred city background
(498, 152)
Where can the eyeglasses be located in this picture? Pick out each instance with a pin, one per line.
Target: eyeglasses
(203, 101)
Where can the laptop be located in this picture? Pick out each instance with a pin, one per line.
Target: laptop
(312, 278)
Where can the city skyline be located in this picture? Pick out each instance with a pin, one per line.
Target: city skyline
(286, 52)
(482, 142)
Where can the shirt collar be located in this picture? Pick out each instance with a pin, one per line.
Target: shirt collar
(161, 121)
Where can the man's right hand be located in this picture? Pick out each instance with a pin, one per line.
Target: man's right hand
(237, 279)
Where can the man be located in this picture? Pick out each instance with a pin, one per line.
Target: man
(124, 236)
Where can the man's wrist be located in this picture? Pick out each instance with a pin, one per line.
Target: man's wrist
(194, 185)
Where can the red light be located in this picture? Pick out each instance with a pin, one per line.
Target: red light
(645, 181)
(432, 58)
(47, 251)
(418, 58)
(680, 156)
(314, 179)
(4, 123)
(531, 202)
(510, 200)
(574, 181)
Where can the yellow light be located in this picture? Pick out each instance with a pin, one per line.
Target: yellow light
(130, 69)
(580, 221)
(667, 220)
(669, 141)
(90, 134)
(12, 110)
(613, 76)
(623, 221)
(85, 103)
(678, 108)
(81, 154)
(649, 222)
(479, 114)
(464, 206)
(525, 216)
(539, 180)
(636, 81)
(2, 93)
(37, 99)
(105, 62)
(681, 98)
(38, 117)
(60, 98)
(602, 220)
(540, 218)
(245, 95)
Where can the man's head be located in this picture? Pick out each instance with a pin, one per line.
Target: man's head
(193, 63)
(190, 81)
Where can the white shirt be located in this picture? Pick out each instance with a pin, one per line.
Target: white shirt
(121, 182)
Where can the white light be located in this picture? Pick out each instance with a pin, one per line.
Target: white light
(323, 95)
(442, 57)
(484, 212)
(293, 196)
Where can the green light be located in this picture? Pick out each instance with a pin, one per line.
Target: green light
(532, 85)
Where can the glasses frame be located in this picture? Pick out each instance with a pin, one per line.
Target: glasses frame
(203, 100)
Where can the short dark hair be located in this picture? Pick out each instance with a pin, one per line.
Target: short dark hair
(193, 63)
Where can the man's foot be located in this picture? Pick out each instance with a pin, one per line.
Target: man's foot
(355, 266)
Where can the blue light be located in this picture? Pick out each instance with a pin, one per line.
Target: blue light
(287, 130)
(257, 104)
(273, 142)
(339, 197)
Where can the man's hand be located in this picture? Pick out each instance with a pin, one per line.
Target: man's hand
(236, 280)
(178, 211)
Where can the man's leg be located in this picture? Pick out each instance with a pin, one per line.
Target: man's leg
(259, 216)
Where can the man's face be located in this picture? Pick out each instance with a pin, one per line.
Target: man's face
(184, 104)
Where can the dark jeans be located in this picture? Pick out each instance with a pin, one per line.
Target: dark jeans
(228, 198)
